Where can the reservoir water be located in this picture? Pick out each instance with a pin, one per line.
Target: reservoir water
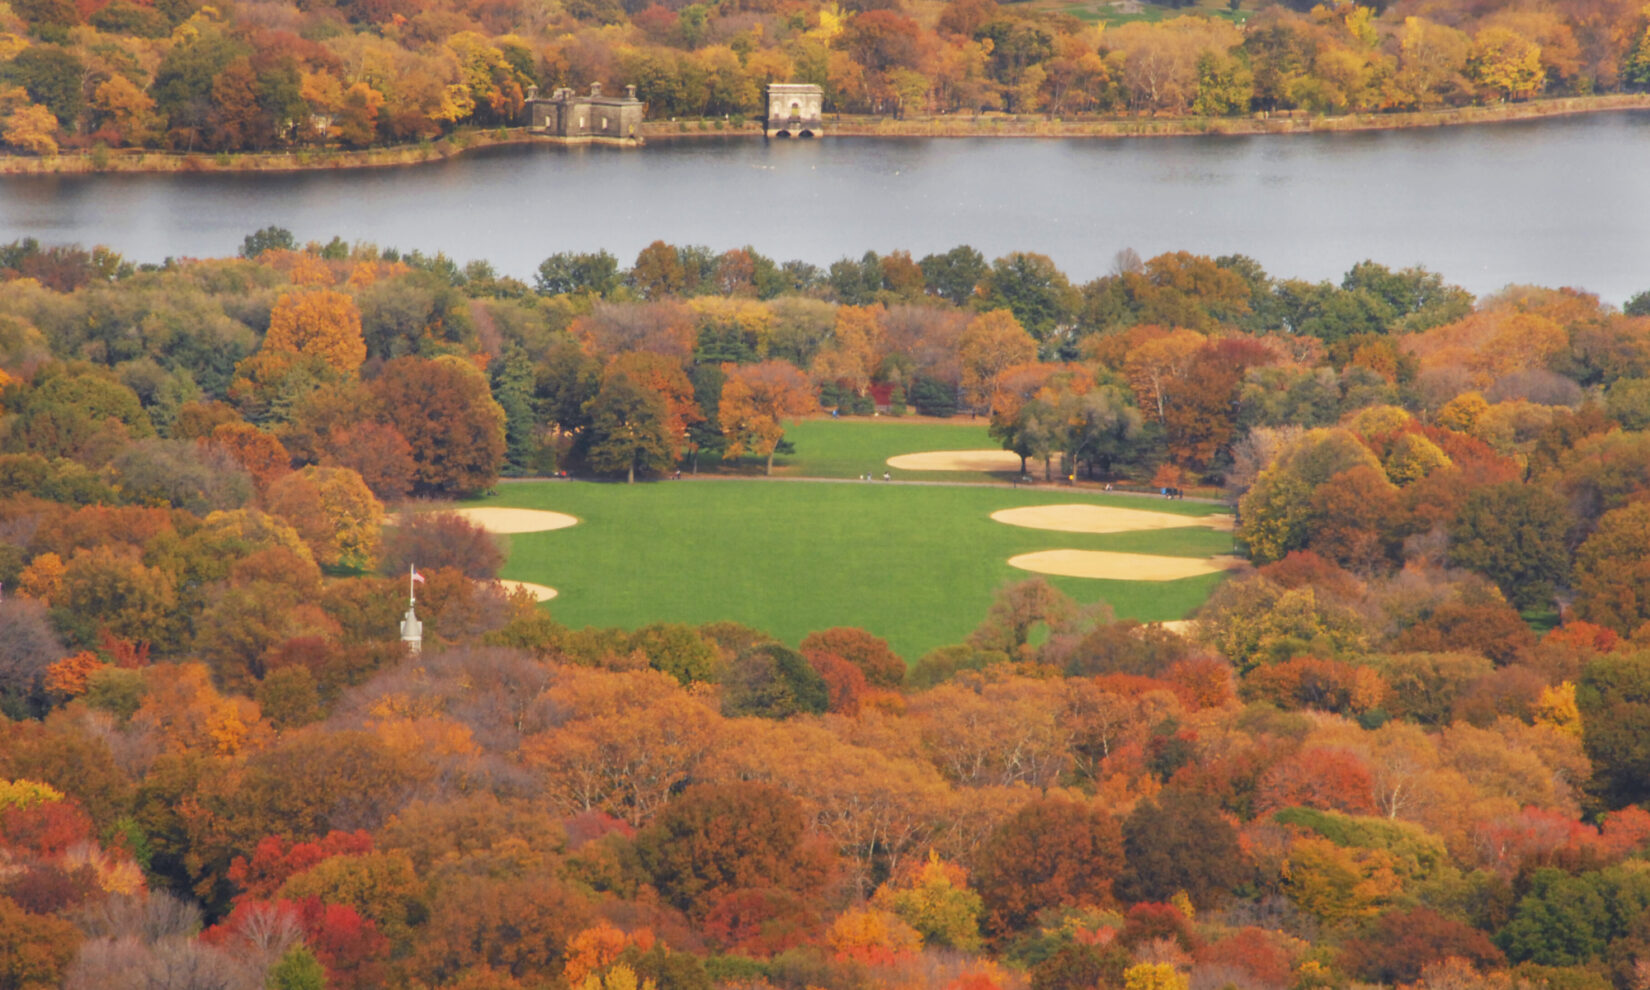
(1552, 202)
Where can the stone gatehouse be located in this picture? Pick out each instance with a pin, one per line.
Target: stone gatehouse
(593, 118)
(795, 110)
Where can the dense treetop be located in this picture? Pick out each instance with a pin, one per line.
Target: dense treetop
(186, 76)
(1407, 747)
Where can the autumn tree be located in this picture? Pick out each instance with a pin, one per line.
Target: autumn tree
(446, 412)
(1402, 943)
(772, 681)
(377, 452)
(715, 839)
(31, 128)
(1614, 699)
(992, 343)
(334, 512)
(1276, 510)
(756, 400)
(35, 950)
(629, 429)
(1612, 570)
(319, 323)
(1050, 853)
(881, 666)
(518, 927)
(258, 451)
(934, 898)
(1514, 535)
(1179, 841)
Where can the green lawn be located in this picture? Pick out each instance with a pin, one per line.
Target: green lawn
(848, 448)
(914, 564)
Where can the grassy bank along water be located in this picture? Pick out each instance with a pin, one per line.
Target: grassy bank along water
(98, 160)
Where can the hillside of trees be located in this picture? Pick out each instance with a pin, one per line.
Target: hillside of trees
(1409, 747)
(263, 74)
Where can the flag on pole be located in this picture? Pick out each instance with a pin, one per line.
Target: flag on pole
(417, 576)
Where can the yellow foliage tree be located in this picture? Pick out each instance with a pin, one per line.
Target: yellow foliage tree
(1154, 368)
(1463, 412)
(32, 129)
(596, 948)
(1556, 707)
(872, 935)
(1155, 976)
(1336, 884)
(992, 343)
(70, 675)
(1506, 63)
(321, 323)
(936, 902)
(334, 511)
(620, 977)
(26, 794)
(43, 578)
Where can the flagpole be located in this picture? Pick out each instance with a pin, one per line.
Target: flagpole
(412, 596)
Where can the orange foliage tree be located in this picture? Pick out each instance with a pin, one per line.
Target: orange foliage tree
(756, 400)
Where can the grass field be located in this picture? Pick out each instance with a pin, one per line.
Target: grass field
(847, 448)
(915, 564)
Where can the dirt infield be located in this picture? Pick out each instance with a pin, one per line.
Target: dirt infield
(957, 460)
(1118, 566)
(540, 592)
(1102, 519)
(495, 520)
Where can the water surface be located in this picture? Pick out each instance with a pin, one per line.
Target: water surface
(1551, 202)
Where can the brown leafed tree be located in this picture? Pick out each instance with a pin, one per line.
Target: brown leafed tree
(1051, 853)
(446, 412)
(756, 400)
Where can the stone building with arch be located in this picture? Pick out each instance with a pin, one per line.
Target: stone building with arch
(795, 110)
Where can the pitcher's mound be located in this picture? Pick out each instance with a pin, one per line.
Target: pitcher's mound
(540, 592)
(1119, 566)
(957, 460)
(1102, 519)
(497, 520)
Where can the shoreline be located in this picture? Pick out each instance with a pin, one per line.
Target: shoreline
(107, 161)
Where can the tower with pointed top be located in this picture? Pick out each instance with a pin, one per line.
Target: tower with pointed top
(412, 630)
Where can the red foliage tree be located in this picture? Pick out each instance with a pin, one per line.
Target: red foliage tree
(377, 452)
(47, 829)
(717, 838)
(1305, 569)
(761, 922)
(1201, 682)
(1150, 921)
(1253, 951)
(1050, 853)
(1405, 942)
(275, 859)
(843, 681)
(1319, 777)
(882, 667)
